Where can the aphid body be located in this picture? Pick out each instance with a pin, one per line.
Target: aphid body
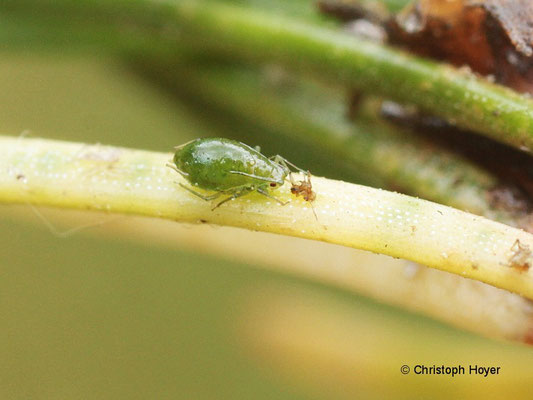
(228, 167)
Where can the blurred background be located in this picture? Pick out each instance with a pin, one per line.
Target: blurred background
(124, 311)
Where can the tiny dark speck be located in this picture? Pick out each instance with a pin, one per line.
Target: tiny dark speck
(20, 176)
(203, 221)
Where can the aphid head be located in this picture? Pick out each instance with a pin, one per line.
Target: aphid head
(277, 176)
(177, 158)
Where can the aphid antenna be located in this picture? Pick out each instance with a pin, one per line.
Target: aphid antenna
(286, 163)
(184, 144)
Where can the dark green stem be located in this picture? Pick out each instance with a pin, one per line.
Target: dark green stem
(458, 96)
(306, 42)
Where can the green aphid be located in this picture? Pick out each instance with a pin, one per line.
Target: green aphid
(230, 168)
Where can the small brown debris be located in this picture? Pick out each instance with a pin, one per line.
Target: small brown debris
(521, 257)
(20, 177)
(304, 188)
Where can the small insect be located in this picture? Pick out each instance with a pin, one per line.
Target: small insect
(230, 168)
(303, 188)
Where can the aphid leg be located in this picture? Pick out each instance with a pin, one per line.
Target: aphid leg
(308, 180)
(206, 198)
(265, 193)
(233, 196)
(291, 179)
(286, 163)
(172, 166)
(261, 178)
